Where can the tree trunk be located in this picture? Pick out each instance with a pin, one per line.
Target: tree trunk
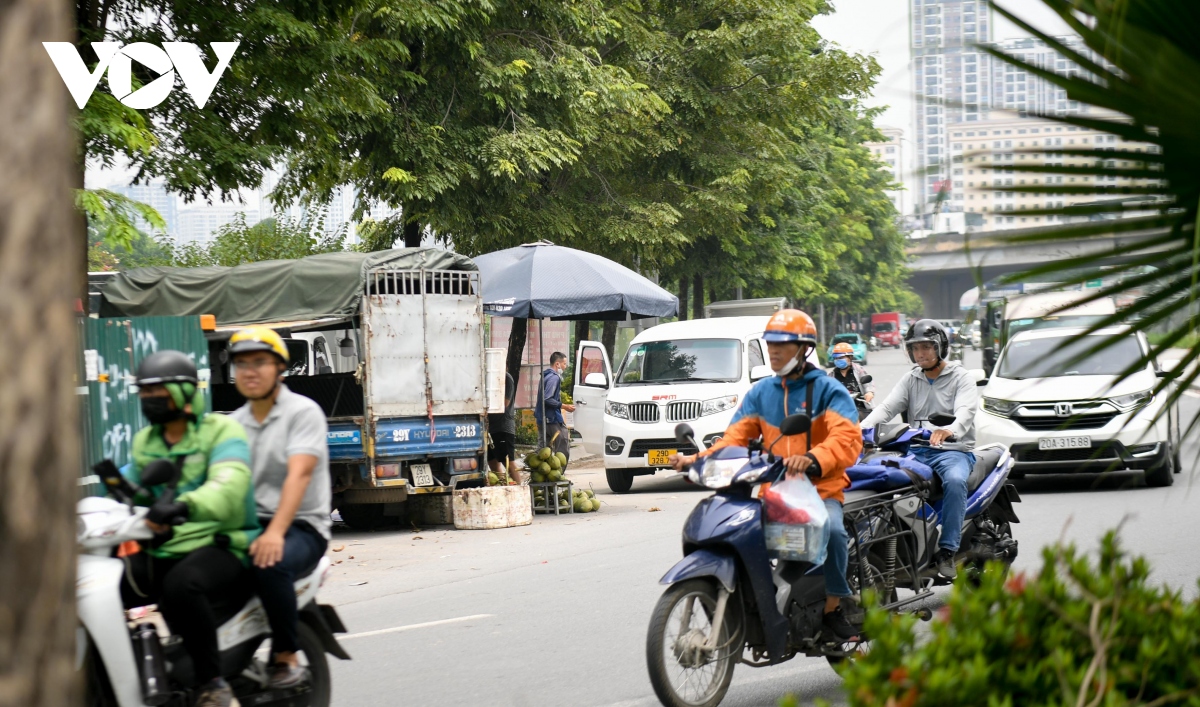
(683, 297)
(40, 262)
(609, 339)
(516, 349)
(583, 330)
(412, 235)
(697, 296)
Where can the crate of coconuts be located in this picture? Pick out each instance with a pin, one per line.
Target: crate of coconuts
(551, 491)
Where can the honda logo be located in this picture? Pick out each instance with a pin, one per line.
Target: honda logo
(1063, 409)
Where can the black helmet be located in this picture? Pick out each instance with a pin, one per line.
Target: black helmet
(927, 330)
(167, 367)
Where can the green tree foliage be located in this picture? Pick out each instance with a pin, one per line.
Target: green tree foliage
(1156, 84)
(1078, 632)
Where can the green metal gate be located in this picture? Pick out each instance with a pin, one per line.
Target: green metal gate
(112, 350)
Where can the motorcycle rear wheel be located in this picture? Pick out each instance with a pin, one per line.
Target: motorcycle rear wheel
(667, 638)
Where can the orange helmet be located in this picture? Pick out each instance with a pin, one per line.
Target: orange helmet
(791, 326)
(843, 349)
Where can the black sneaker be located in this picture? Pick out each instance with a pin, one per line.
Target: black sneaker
(836, 623)
(943, 560)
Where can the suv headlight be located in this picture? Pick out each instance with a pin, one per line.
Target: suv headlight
(620, 410)
(1133, 401)
(1003, 408)
(712, 407)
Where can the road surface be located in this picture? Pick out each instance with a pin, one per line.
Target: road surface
(555, 613)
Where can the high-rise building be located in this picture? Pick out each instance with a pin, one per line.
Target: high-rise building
(1018, 91)
(199, 223)
(988, 157)
(155, 195)
(951, 77)
(890, 153)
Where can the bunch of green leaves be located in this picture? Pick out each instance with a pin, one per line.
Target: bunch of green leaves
(275, 238)
(1079, 632)
(1152, 78)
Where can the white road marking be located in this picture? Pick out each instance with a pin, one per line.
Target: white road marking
(413, 627)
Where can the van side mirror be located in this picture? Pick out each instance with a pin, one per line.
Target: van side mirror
(759, 372)
(596, 380)
(1165, 374)
(796, 424)
(981, 382)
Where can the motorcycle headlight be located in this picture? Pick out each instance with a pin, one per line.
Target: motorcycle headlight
(620, 410)
(996, 406)
(712, 407)
(1133, 401)
(718, 473)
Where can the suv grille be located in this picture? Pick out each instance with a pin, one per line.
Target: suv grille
(640, 447)
(682, 412)
(1075, 422)
(643, 412)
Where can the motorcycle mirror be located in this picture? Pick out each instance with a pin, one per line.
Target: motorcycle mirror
(684, 433)
(868, 378)
(941, 420)
(160, 471)
(796, 424)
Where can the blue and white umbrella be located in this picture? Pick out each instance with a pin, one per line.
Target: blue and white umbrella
(545, 281)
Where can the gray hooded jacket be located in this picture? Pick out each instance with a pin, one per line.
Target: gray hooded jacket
(952, 393)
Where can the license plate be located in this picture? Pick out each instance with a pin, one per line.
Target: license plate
(659, 457)
(1064, 443)
(422, 474)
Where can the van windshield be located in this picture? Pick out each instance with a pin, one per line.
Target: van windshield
(884, 326)
(1058, 356)
(682, 361)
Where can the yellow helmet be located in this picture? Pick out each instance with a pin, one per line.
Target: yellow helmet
(258, 338)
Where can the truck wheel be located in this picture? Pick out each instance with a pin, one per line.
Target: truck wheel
(619, 480)
(363, 516)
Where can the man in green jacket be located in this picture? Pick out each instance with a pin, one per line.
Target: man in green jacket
(196, 568)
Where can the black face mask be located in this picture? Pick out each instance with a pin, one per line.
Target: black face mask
(158, 410)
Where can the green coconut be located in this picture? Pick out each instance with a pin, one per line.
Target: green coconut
(590, 493)
(562, 458)
(554, 475)
(539, 477)
(554, 463)
(492, 479)
(544, 453)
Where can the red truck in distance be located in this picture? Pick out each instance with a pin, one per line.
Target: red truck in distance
(887, 328)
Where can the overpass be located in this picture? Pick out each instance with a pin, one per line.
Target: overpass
(944, 266)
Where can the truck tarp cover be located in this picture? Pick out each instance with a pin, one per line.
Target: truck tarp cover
(316, 287)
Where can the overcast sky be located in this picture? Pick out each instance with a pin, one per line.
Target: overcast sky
(880, 27)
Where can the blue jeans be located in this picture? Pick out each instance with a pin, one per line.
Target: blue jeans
(838, 554)
(953, 467)
(303, 548)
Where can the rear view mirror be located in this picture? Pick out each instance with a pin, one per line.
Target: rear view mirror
(160, 471)
(941, 420)
(868, 378)
(596, 380)
(981, 382)
(759, 372)
(1165, 374)
(796, 424)
(683, 433)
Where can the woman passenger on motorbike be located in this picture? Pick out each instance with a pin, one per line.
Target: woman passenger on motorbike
(850, 374)
(194, 570)
(832, 444)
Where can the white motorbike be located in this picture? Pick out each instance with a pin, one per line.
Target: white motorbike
(129, 664)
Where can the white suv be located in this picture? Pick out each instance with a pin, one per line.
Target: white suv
(1061, 408)
(692, 371)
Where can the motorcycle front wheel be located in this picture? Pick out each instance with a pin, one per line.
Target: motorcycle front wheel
(686, 668)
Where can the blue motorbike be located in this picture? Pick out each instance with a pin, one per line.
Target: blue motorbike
(729, 601)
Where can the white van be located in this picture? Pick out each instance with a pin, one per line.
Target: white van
(694, 371)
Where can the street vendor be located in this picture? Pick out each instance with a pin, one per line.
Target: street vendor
(550, 406)
(502, 428)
